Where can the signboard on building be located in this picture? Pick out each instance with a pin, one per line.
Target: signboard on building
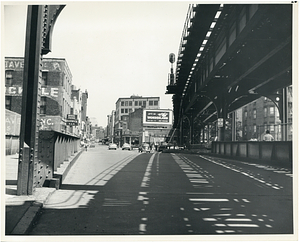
(157, 116)
(46, 91)
(72, 120)
(50, 123)
(71, 116)
(12, 123)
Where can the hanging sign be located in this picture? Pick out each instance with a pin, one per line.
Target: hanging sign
(220, 122)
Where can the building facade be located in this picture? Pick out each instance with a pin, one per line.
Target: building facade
(62, 106)
(157, 124)
(125, 106)
(262, 115)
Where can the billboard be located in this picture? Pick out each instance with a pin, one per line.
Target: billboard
(157, 116)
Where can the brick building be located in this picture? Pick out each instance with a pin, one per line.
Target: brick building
(262, 114)
(59, 98)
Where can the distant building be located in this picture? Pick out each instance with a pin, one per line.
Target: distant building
(110, 127)
(157, 124)
(125, 106)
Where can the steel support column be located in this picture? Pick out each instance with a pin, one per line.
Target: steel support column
(30, 98)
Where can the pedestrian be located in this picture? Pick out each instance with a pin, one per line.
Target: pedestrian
(268, 136)
(85, 146)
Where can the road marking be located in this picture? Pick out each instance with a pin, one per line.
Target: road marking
(209, 200)
(146, 178)
(143, 195)
(241, 172)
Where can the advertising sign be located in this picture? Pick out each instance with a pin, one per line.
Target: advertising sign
(46, 91)
(12, 123)
(157, 116)
(50, 123)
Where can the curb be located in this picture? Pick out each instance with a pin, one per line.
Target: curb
(37, 201)
(32, 213)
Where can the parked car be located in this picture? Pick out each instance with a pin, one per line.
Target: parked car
(112, 146)
(126, 146)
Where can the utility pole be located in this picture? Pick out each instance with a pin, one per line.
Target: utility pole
(40, 22)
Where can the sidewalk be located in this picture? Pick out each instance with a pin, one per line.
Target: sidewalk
(21, 212)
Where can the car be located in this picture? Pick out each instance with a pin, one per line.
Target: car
(112, 146)
(126, 146)
(162, 148)
(146, 148)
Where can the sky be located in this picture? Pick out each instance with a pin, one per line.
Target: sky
(113, 49)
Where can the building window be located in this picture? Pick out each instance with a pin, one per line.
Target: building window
(130, 103)
(254, 128)
(144, 103)
(122, 103)
(265, 112)
(155, 103)
(126, 110)
(246, 114)
(8, 78)
(8, 102)
(136, 103)
(272, 110)
(44, 78)
(126, 103)
(43, 105)
(122, 110)
(254, 113)
(140, 103)
(150, 103)
(271, 128)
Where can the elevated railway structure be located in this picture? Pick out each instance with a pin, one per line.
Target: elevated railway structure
(229, 56)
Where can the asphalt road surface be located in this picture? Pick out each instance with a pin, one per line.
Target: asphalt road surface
(128, 193)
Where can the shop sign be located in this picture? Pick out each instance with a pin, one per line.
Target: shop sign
(72, 122)
(71, 116)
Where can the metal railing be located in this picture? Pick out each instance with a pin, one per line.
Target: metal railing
(54, 149)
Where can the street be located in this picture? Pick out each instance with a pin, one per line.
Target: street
(110, 192)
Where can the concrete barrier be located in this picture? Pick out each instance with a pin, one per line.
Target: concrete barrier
(275, 150)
